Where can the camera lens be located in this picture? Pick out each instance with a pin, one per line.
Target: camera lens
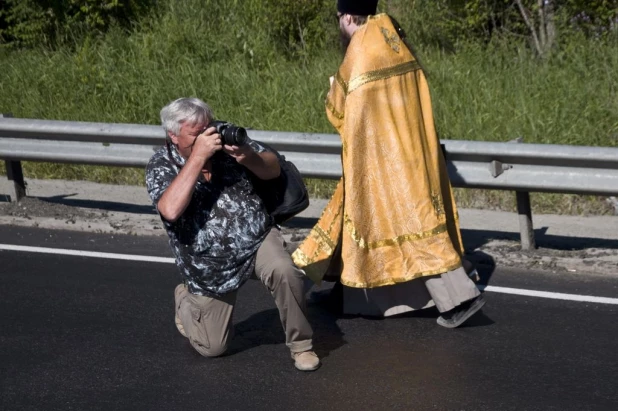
(234, 136)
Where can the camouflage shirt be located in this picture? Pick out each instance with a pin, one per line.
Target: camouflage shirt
(216, 239)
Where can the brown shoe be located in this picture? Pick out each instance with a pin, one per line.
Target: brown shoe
(181, 329)
(306, 360)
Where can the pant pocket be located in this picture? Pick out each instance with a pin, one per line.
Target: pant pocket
(200, 334)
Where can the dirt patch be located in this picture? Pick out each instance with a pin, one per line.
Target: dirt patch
(31, 207)
(36, 212)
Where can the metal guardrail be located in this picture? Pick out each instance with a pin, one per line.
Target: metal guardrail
(523, 168)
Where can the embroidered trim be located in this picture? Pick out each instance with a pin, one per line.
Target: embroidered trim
(339, 79)
(332, 109)
(323, 239)
(381, 74)
(300, 258)
(392, 281)
(362, 243)
(392, 40)
(436, 201)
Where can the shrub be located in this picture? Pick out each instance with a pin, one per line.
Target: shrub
(30, 23)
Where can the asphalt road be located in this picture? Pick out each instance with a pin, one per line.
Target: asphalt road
(83, 333)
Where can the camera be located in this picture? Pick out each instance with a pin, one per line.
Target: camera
(231, 134)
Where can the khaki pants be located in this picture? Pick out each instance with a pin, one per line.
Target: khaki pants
(208, 321)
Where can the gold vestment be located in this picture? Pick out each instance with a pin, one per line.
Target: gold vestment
(392, 214)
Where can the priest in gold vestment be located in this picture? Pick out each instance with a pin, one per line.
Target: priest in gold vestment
(390, 232)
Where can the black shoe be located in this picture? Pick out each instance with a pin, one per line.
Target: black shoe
(459, 315)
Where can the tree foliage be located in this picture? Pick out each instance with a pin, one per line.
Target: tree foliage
(595, 17)
(28, 23)
(544, 22)
(302, 27)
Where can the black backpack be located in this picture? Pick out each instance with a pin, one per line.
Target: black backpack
(286, 195)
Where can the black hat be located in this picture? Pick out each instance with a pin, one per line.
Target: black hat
(357, 7)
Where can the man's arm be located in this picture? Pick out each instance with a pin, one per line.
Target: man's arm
(177, 196)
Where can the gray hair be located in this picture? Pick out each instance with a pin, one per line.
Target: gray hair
(189, 110)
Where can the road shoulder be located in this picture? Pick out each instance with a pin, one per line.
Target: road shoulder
(571, 244)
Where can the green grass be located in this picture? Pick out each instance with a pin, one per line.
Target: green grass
(493, 92)
(498, 93)
(541, 203)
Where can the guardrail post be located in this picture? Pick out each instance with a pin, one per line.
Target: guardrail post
(526, 229)
(15, 174)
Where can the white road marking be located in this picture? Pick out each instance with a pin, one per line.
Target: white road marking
(132, 257)
(552, 295)
(94, 254)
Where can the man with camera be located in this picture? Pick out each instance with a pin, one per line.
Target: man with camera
(390, 232)
(220, 231)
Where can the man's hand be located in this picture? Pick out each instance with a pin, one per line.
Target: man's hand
(265, 165)
(177, 196)
(240, 153)
(206, 144)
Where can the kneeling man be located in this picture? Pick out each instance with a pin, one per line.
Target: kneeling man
(220, 231)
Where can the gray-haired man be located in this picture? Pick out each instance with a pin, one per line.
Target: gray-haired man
(220, 231)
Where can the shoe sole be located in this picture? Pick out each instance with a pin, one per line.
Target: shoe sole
(307, 369)
(474, 308)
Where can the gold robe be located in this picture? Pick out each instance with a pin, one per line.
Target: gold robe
(392, 213)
